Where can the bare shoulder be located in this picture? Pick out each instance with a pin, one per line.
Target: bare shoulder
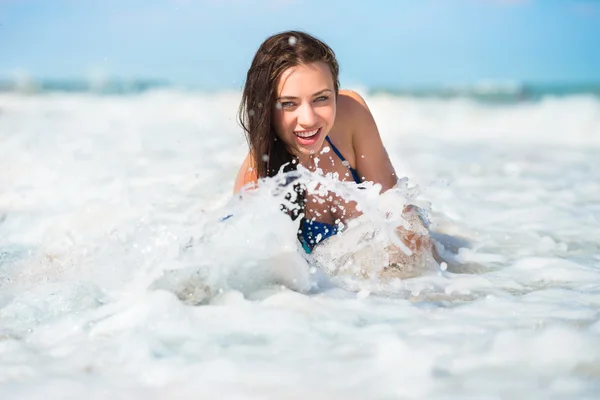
(354, 112)
(246, 174)
(350, 98)
(352, 119)
(371, 158)
(351, 109)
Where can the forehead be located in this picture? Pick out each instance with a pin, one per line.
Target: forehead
(304, 80)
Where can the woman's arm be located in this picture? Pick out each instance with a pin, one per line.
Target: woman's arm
(372, 161)
(246, 175)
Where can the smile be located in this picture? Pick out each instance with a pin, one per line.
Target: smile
(307, 134)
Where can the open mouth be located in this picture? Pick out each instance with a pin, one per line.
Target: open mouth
(307, 135)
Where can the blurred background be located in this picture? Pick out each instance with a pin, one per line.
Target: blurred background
(486, 48)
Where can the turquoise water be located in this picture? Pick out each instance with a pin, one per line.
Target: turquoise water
(485, 91)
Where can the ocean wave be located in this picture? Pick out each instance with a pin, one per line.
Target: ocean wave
(570, 120)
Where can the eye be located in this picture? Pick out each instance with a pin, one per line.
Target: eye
(321, 98)
(287, 104)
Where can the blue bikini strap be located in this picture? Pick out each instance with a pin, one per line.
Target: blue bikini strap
(346, 163)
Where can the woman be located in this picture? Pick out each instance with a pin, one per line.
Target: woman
(293, 112)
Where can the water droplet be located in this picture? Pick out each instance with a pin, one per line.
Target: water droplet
(292, 40)
(265, 157)
(251, 113)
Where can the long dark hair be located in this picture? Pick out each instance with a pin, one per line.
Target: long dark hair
(275, 55)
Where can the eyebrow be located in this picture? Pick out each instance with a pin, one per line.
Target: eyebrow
(294, 98)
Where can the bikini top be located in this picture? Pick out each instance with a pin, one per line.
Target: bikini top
(313, 232)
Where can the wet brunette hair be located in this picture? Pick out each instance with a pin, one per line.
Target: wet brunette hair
(275, 55)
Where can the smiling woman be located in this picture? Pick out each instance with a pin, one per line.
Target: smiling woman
(293, 113)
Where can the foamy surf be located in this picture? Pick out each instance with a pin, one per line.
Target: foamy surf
(104, 196)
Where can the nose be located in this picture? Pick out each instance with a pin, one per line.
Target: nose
(306, 116)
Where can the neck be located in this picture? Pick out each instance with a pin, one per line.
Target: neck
(309, 160)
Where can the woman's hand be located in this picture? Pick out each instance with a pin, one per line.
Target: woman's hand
(416, 237)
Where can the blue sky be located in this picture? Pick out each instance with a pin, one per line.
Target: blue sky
(378, 42)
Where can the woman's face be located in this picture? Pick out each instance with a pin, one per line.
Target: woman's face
(305, 108)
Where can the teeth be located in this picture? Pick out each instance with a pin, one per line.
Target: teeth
(306, 134)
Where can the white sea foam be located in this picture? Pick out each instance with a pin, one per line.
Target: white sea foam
(120, 279)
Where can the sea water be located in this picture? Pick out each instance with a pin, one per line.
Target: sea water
(121, 278)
